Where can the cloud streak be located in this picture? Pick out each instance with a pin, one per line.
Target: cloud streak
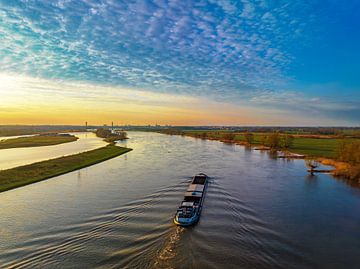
(153, 44)
(33, 100)
(237, 52)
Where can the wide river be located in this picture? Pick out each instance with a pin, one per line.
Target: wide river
(259, 212)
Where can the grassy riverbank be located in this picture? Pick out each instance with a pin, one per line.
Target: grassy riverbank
(324, 148)
(15, 130)
(36, 141)
(309, 145)
(27, 174)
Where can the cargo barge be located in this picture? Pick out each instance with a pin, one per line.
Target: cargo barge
(189, 211)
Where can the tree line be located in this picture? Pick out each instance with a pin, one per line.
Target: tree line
(110, 136)
(349, 152)
(274, 140)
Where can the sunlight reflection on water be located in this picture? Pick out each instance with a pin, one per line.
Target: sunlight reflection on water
(21, 156)
(259, 212)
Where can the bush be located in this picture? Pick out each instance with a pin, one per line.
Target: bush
(172, 131)
(349, 152)
(103, 133)
(287, 141)
(109, 136)
(249, 137)
(273, 140)
(229, 136)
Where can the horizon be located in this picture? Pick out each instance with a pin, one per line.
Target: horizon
(185, 126)
(204, 63)
(179, 133)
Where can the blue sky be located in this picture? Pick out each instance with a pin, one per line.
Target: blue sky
(295, 58)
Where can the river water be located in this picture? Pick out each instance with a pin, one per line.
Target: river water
(13, 157)
(259, 212)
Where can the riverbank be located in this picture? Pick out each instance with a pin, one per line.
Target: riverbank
(343, 170)
(28, 174)
(312, 146)
(127, 206)
(321, 148)
(37, 141)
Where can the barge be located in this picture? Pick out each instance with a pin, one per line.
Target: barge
(189, 211)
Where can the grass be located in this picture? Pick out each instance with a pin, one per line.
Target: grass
(27, 174)
(36, 141)
(312, 147)
(316, 147)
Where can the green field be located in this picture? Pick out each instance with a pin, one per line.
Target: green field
(314, 147)
(27, 174)
(36, 141)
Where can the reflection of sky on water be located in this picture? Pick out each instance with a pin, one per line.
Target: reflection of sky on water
(119, 212)
(10, 158)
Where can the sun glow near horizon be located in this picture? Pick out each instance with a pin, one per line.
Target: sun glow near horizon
(180, 62)
(32, 100)
(29, 100)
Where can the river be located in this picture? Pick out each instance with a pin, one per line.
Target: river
(13, 157)
(259, 212)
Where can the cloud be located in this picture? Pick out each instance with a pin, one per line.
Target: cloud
(75, 102)
(315, 106)
(44, 98)
(103, 41)
(237, 52)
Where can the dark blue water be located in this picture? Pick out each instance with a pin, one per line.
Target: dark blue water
(259, 212)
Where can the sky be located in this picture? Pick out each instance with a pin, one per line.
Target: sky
(243, 62)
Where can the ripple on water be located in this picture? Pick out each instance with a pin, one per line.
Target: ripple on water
(142, 234)
(137, 231)
(134, 227)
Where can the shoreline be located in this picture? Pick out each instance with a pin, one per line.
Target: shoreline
(28, 174)
(341, 169)
(37, 141)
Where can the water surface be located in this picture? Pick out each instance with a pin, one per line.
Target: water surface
(259, 212)
(14, 136)
(13, 157)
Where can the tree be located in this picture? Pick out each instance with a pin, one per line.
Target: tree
(273, 140)
(264, 140)
(229, 136)
(172, 131)
(121, 135)
(111, 136)
(249, 137)
(103, 133)
(349, 151)
(287, 141)
(311, 165)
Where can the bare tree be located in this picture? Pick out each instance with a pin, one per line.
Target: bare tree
(264, 140)
(249, 137)
(229, 136)
(311, 165)
(349, 151)
(273, 140)
(287, 141)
